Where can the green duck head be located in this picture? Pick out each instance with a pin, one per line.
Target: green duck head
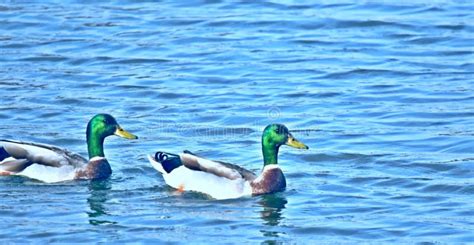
(100, 127)
(274, 136)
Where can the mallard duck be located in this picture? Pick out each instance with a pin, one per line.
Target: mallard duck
(220, 180)
(49, 163)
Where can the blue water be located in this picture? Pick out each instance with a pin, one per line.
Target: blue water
(382, 93)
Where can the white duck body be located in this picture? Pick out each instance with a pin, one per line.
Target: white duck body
(216, 179)
(42, 162)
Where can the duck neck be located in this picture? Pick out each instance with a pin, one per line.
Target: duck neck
(270, 153)
(95, 144)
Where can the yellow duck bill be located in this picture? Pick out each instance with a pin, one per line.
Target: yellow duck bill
(295, 143)
(124, 134)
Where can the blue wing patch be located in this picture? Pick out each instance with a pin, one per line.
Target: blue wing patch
(3, 154)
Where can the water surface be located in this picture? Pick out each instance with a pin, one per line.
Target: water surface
(382, 93)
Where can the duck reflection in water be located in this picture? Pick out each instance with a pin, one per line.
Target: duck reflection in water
(99, 191)
(273, 205)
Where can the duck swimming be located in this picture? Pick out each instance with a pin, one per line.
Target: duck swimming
(220, 180)
(50, 164)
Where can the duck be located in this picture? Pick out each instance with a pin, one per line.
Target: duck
(48, 163)
(221, 180)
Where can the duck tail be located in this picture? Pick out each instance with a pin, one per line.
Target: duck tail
(168, 161)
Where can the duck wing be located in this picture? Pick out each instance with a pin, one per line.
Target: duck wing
(17, 155)
(219, 168)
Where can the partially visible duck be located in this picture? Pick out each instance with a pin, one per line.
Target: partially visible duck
(49, 163)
